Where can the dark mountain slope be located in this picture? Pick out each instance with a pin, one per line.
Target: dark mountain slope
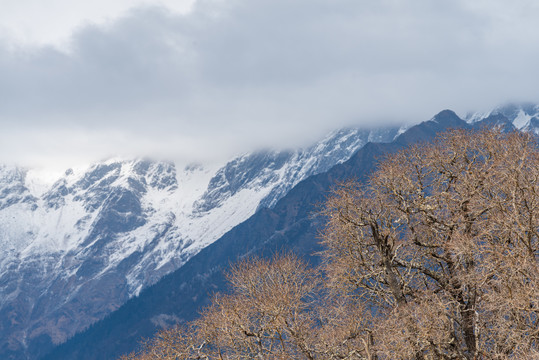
(289, 226)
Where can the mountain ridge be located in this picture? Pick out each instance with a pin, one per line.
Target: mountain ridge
(138, 220)
(288, 226)
(100, 235)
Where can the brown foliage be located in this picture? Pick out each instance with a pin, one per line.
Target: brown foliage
(435, 257)
(265, 316)
(444, 239)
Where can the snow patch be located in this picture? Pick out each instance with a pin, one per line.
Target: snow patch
(522, 120)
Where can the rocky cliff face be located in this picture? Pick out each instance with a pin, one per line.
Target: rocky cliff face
(77, 250)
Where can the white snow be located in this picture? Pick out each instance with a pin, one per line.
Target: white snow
(38, 181)
(402, 130)
(477, 116)
(522, 120)
(517, 115)
(174, 230)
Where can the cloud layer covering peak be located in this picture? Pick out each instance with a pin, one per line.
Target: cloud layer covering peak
(232, 75)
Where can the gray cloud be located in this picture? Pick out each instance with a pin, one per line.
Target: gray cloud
(231, 75)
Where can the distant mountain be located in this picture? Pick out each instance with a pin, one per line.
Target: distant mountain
(75, 251)
(524, 117)
(289, 226)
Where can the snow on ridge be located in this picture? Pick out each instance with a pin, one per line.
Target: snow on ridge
(64, 229)
(518, 114)
(477, 116)
(401, 131)
(522, 120)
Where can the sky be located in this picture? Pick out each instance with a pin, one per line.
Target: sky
(203, 80)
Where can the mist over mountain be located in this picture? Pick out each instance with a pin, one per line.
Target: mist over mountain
(77, 250)
(209, 78)
(287, 226)
(123, 194)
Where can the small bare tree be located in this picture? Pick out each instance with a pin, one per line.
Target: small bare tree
(277, 309)
(266, 315)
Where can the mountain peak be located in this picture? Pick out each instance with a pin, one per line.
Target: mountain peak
(110, 229)
(447, 117)
(523, 116)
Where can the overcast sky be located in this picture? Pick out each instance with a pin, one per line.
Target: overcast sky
(193, 80)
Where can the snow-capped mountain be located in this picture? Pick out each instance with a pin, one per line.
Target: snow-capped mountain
(74, 251)
(289, 225)
(524, 117)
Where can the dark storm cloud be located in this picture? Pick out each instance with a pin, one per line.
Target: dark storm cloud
(233, 74)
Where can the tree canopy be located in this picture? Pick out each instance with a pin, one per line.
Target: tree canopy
(436, 256)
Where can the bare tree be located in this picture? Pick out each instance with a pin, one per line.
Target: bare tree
(435, 257)
(277, 309)
(442, 242)
(266, 314)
